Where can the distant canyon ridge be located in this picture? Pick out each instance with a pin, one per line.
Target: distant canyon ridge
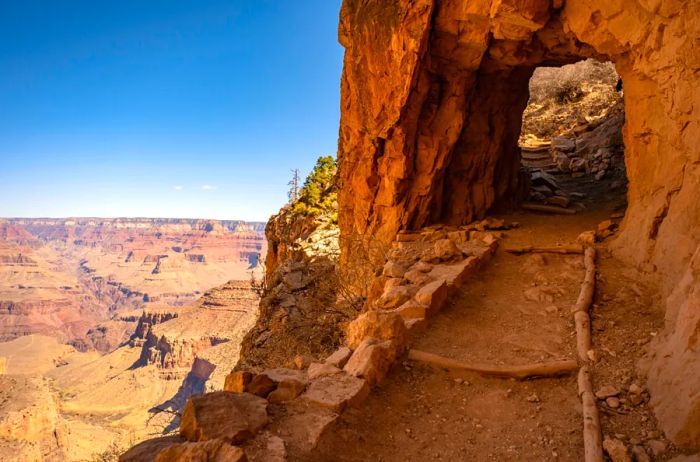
(85, 281)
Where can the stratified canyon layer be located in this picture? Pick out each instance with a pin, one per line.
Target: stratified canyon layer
(63, 277)
(105, 322)
(432, 100)
(57, 403)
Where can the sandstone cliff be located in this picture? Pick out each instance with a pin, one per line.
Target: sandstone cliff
(303, 302)
(432, 100)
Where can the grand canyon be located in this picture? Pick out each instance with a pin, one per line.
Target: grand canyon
(105, 320)
(499, 263)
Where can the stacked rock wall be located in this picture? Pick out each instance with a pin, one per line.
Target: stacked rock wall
(432, 99)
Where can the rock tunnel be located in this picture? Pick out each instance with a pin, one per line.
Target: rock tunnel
(433, 93)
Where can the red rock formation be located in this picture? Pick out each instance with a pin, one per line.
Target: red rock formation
(63, 277)
(432, 100)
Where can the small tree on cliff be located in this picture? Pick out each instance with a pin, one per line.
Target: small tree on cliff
(319, 194)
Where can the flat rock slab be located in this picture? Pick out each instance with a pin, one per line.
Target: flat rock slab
(233, 417)
(456, 274)
(317, 370)
(281, 375)
(336, 392)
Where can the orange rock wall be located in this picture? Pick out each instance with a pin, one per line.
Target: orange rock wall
(432, 99)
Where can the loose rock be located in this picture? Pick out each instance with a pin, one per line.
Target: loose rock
(393, 270)
(233, 417)
(382, 325)
(336, 392)
(606, 392)
(445, 249)
(339, 357)
(393, 297)
(371, 361)
(617, 450)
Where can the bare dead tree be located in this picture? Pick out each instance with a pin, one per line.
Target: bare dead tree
(293, 193)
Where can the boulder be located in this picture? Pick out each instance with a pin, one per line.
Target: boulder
(393, 297)
(433, 295)
(382, 325)
(393, 269)
(288, 383)
(217, 450)
(336, 392)
(286, 391)
(413, 310)
(233, 417)
(371, 361)
(339, 357)
(445, 249)
(459, 236)
(237, 381)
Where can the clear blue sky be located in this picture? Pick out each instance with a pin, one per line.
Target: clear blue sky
(163, 108)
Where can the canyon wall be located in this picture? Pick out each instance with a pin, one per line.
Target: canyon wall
(432, 100)
(74, 278)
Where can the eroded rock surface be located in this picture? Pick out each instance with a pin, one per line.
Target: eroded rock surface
(432, 100)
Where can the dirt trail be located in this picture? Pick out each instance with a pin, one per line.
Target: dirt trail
(515, 311)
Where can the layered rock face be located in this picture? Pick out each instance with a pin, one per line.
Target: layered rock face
(432, 100)
(63, 277)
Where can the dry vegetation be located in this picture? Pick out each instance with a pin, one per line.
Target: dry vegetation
(562, 97)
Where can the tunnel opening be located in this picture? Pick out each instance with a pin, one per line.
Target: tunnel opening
(571, 145)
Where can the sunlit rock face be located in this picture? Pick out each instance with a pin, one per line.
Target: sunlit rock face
(432, 100)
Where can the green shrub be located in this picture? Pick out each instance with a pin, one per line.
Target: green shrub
(319, 195)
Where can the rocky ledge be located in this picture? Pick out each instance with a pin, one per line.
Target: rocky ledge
(296, 406)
